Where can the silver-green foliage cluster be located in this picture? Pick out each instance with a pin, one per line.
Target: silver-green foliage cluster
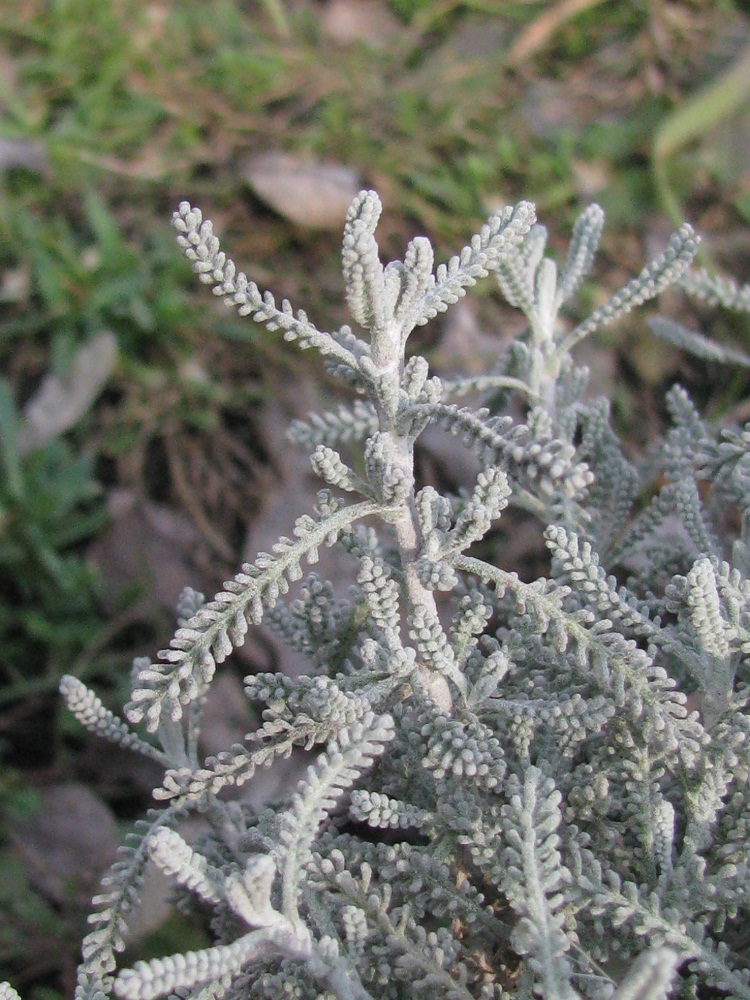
(514, 788)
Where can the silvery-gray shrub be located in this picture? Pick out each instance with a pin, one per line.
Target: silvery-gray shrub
(514, 788)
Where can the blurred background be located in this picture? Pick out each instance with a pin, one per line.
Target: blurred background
(141, 422)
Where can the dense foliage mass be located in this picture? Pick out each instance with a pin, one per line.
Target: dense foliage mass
(514, 788)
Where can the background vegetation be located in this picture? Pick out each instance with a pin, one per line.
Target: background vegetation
(136, 421)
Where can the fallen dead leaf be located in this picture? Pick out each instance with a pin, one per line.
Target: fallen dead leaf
(464, 347)
(60, 402)
(24, 153)
(146, 544)
(227, 714)
(536, 35)
(15, 283)
(591, 177)
(68, 843)
(307, 192)
(368, 21)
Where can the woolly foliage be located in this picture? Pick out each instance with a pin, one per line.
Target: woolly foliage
(696, 343)
(544, 466)
(716, 290)
(92, 714)
(201, 247)
(663, 271)
(534, 879)
(121, 887)
(209, 637)
(346, 423)
(522, 786)
(353, 750)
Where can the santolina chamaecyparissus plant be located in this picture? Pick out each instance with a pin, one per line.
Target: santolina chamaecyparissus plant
(507, 793)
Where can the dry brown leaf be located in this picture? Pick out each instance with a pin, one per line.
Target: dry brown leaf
(591, 176)
(146, 544)
(368, 21)
(464, 346)
(15, 283)
(536, 35)
(24, 153)
(60, 402)
(68, 843)
(307, 192)
(227, 714)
